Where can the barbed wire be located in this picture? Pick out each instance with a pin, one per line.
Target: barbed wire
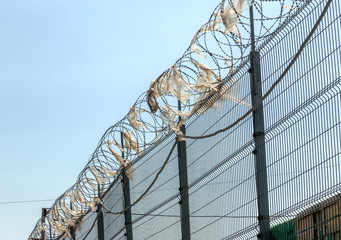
(205, 71)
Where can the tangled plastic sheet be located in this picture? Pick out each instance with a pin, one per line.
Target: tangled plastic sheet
(205, 70)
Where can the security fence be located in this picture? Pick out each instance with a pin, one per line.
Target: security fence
(273, 174)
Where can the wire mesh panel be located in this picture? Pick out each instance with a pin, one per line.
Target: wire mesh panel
(163, 224)
(85, 227)
(114, 223)
(221, 170)
(302, 116)
(157, 214)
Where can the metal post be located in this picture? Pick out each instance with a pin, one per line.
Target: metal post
(73, 233)
(126, 194)
(259, 152)
(43, 215)
(184, 203)
(50, 229)
(72, 229)
(100, 220)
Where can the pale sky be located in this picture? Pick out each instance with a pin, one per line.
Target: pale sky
(68, 71)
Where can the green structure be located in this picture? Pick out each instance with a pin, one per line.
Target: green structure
(284, 231)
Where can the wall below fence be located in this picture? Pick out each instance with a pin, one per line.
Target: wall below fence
(302, 141)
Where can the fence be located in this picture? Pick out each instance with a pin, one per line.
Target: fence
(214, 188)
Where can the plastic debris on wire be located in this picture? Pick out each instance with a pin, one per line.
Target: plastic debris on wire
(205, 71)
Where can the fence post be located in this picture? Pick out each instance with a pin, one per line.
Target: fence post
(100, 220)
(72, 229)
(259, 152)
(184, 203)
(43, 214)
(126, 195)
(72, 232)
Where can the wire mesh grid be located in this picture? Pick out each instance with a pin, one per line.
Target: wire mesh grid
(302, 135)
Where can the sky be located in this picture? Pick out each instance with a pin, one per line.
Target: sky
(68, 71)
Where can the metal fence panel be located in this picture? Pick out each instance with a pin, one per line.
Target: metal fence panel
(302, 141)
(113, 224)
(85, 226)
(162, 199)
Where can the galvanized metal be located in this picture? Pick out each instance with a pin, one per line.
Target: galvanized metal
(43, 214)
(72, 229)
(259, 151)
(126, 194)
(100, 221)
(184, 202)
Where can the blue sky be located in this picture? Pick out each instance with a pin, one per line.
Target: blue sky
(68, 71)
